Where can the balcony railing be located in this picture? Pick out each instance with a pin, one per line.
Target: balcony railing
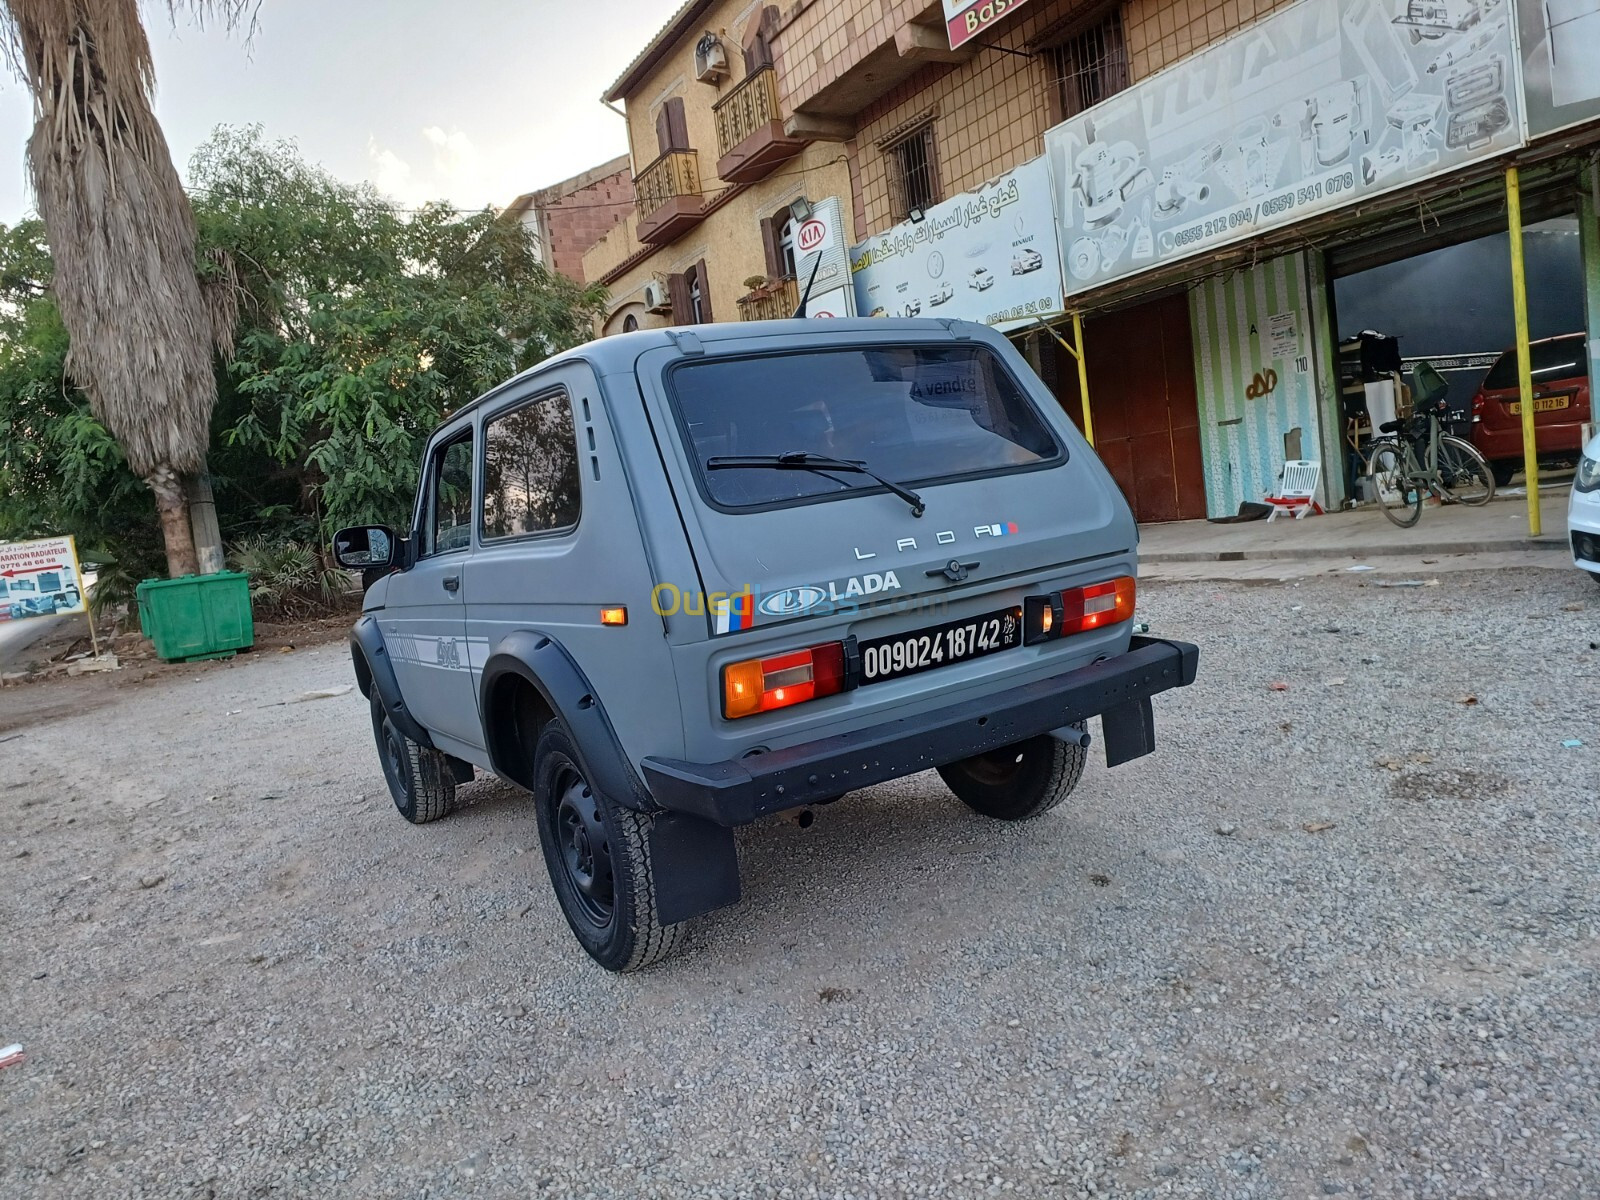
(747, 108)
(774, 302)
(668, 195)
(750, 137)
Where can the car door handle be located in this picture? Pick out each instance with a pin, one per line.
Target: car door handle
(452, 583)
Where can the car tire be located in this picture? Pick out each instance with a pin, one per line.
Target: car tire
(1503, 471)
(599, 859)
(420, 781)
(1020, 781)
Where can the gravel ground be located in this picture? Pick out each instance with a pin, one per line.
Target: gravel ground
(1339, 938)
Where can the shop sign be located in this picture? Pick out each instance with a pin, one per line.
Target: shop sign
(40, 578)
(820, 236)
(1560, 62)
(988, 255)
(966, 19)
(1321, 105)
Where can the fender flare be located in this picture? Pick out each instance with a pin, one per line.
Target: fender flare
(543, 663)
(374, 671)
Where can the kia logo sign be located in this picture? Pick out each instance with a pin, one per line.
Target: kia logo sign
(812, 234)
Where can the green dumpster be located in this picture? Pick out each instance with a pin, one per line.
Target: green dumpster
(197, 616)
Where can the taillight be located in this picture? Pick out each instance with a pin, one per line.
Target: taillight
(1077, 610)
(758, 685)
(1098, 604)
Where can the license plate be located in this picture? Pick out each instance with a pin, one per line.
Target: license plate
(1542, 404)
(940, 645)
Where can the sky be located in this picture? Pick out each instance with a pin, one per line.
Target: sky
(472, 101)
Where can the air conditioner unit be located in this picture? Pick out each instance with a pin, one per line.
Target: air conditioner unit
(656, 299)
(710, 59)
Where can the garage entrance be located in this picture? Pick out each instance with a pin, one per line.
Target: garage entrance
(1146, 417)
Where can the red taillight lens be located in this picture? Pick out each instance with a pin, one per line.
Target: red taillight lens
(762, 684)
(1097, 605)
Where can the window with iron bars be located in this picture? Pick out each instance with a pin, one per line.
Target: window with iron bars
(914, 172)
(1091, 65)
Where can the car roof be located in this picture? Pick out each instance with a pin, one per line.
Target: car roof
(618, 352)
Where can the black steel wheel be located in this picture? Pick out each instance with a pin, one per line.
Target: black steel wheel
(420, 781)
(598, 855)
(1017, 782)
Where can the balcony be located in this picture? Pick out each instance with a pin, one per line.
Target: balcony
(668, 195)
(773, 301)
(750, 136)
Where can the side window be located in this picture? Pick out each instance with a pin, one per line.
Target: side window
(530, 469)
(450, 511)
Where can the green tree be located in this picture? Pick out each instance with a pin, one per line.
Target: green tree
(363, 325)
(360, 326)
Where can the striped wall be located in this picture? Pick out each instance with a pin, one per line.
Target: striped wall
(1242, 440)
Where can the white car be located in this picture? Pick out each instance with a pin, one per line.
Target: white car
(913, 308)
(1024, 261)
(980, 279)
(1583, 511)
(941, 293)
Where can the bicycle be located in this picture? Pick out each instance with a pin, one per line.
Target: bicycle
(1412, 457)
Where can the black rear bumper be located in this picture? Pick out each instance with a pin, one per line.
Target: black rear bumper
(1118, 689)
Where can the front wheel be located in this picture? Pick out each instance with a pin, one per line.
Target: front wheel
(1018, 782)
(598, 856)
(1464, 473)
(1398, 496)
(420, 781)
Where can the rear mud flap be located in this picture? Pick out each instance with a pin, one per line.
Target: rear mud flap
(1130, 731)
(694, 865)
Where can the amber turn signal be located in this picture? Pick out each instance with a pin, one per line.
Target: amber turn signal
(614, 616)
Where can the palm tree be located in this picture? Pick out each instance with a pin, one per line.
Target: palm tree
(123, 238)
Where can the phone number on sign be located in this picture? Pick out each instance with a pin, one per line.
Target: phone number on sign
(1315, 194)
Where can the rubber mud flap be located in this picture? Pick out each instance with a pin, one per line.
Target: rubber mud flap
(1130, 731)
(696, 866)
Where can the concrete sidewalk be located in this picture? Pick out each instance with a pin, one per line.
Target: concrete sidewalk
(1499, 526)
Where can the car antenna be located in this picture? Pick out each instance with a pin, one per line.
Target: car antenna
(806, 295)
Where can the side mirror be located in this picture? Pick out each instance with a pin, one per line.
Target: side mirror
(362, 547)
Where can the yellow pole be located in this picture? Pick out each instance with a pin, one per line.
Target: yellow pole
(1083, 375)
(1519, 299)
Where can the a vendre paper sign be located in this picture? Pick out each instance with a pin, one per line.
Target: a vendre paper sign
(966, 19)
(40, 578)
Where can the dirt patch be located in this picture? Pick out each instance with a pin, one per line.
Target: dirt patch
(1447, 783)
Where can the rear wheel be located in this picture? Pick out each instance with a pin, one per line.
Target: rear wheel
(598, 856)
(1503, 470)
(1019, 781)
(420, 780)
(1400, 499)
(1464, 472)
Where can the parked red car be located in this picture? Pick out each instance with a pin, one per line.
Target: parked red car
(1560, 368)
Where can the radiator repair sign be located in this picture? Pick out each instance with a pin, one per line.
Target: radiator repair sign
(38, 579)
(1323, 104)
(966, 19)
(988, 255)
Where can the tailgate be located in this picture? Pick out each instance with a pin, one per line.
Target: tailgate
(787, 546)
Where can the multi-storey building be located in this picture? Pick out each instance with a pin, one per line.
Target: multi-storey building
(567, 218)
(719, 175)
(1215, 166)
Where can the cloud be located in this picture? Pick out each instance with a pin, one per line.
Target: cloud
(390, 172)
(442, 165)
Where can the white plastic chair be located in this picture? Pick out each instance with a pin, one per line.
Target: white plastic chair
(1297, 489)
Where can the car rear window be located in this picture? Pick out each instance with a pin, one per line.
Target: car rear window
(1562, 358)
(913, 414)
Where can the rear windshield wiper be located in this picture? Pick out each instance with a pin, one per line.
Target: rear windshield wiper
(800, 460)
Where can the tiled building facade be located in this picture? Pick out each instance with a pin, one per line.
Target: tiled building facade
(569, 217)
